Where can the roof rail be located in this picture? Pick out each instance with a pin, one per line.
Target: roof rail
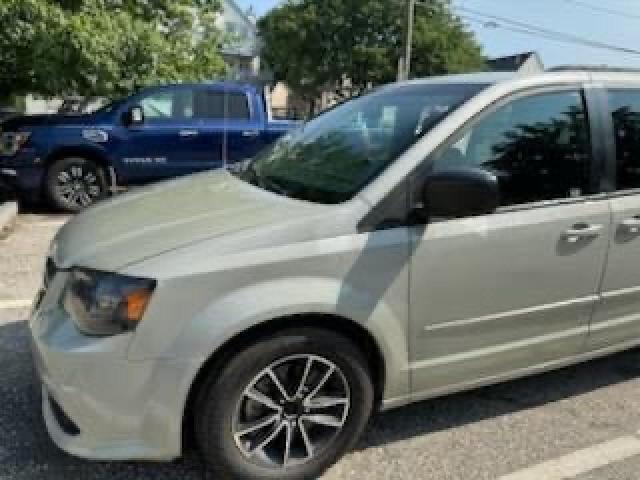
(592, 68)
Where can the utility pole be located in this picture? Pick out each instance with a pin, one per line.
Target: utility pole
(411, 8)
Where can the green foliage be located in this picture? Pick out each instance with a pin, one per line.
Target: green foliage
(315, 44)
(106, 47)
(441, 44)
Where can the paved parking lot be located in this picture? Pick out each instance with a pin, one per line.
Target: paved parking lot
(580, 422)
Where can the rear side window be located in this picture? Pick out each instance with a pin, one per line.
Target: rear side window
(211, 104)
(625, 111)
(538, 147)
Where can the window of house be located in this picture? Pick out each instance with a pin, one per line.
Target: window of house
(538, 147)
(625, 110)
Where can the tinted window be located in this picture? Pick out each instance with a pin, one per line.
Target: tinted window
(538, 147)
(625, 109)
(210, 104)
(333, 156)
(168, 105)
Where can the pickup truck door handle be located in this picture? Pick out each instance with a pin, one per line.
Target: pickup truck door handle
(632, 224)
(250, 133)
(582, 230)
(188, 133)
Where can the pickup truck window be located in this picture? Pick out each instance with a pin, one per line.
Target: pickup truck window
(211, 105)
(335, 155)
(168, 105)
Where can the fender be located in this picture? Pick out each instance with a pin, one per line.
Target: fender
(259, 303)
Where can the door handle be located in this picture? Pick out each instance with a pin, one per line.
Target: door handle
(632, 224)
(188, 133)
(582, 230)
(250, 133)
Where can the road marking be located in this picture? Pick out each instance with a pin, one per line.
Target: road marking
(580, 461)
(14, 304)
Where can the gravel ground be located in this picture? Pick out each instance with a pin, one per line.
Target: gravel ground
(476, 435)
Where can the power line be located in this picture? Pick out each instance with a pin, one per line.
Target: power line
(548, 33)
(598, 8)
(494, 24)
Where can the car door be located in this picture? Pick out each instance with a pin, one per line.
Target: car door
(170, 142)
(617, 318)
(496, 294)
(228, 124)
(245, 126)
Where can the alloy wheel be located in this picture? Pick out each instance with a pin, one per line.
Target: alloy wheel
(291, 411)
(78, 186)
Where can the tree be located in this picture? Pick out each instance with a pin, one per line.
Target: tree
(106, 47)
(313, 45)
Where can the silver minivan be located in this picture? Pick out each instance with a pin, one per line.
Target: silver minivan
(433, 236)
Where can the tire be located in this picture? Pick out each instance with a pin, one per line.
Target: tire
(224, 411)
(74, 183)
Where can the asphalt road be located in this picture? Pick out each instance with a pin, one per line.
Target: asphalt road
(584, 417)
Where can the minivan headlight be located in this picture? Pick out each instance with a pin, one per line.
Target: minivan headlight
(12, 142)
(104, 303)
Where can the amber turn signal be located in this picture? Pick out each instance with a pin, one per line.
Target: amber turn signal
(137, 302)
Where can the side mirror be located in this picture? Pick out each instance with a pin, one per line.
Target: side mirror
(462, 192)
(134, 116)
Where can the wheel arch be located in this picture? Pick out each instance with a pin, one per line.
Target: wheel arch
(352, 330)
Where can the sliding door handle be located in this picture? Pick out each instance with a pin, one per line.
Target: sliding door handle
(632, 224)
(582, 230)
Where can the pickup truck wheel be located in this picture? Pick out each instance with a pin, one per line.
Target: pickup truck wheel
(75, 183)
(285, 408)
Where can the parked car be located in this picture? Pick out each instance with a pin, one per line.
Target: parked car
(430, 237)
(158, 133)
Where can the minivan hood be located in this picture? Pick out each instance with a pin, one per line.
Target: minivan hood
(166, 216)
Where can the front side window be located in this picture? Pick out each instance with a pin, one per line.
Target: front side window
(538, 147)
(335, 155)
(625, 111)
(167, 105)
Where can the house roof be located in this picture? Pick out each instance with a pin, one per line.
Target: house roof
(512, 63)
(234, 6)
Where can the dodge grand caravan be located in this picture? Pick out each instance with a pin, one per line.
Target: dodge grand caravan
(430, 237)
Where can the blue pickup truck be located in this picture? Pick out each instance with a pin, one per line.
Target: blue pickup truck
(160, 132)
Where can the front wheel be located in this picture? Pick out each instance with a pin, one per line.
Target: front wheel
(72, 184)
(285, 408)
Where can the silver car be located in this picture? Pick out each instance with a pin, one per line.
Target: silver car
(430, 237)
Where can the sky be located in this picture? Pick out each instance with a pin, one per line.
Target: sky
(583, 18)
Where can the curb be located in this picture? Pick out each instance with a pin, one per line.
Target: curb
(8, 214)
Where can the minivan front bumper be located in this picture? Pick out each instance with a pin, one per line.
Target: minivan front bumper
(96, 403)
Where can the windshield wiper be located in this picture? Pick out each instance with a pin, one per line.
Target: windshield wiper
(269, 183)
(249, 173)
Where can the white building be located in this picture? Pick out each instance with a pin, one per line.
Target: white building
(242, 53)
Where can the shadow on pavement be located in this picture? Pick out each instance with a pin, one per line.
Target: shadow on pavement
(27, 453)
(489, 402)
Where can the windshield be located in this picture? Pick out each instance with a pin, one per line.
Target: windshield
(332, 157)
